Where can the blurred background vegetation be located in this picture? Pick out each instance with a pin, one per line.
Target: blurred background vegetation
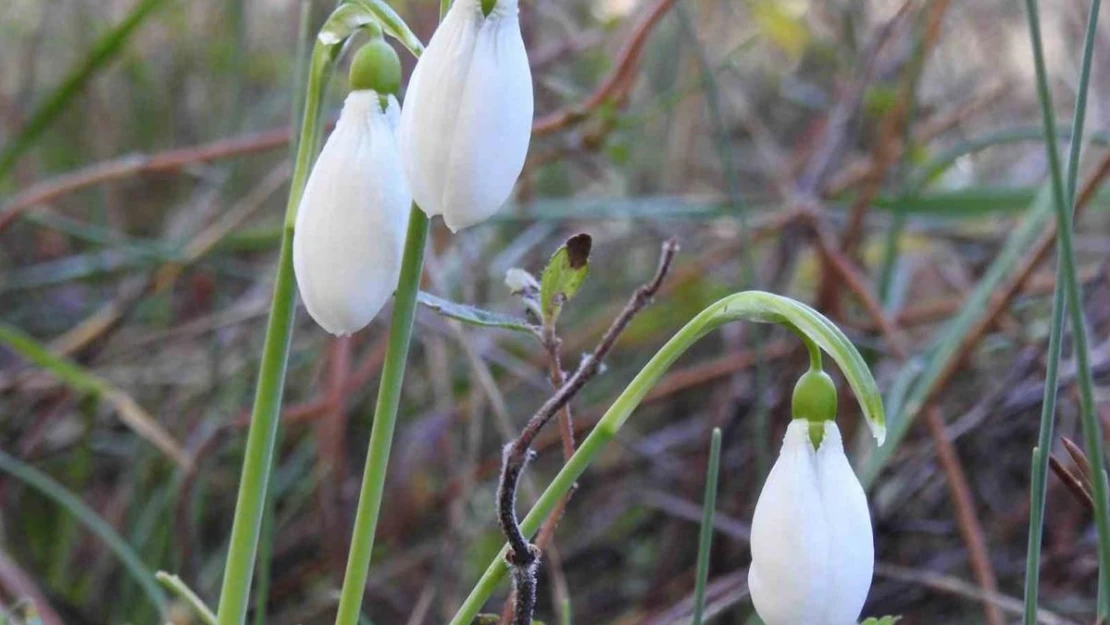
(880, 159)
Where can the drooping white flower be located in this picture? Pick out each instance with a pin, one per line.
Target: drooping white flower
(349, 235)
(812, 547)
(467, 118)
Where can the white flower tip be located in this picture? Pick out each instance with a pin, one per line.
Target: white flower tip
(878, 430)
(797, 435)
(456, 222)
(832, 436)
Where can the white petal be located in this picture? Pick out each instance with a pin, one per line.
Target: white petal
(851, 546)
(350, 229)
(788, 577)
(431, 110)
(494, 123)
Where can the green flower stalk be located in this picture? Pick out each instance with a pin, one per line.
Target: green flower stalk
(813, 328)
(347, 19)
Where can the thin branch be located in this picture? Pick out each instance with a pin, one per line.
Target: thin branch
(523, 556)
(162, 162)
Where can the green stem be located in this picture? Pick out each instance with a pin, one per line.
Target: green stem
(705, 539)
(187, 595)
(266, 538)
(249, 507)
(1072, 301)
(262, 436)
(814, 354)
(749, 306)
(385, 419)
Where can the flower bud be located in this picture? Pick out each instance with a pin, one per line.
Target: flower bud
(350, 230)
(812, 546)
(467, 118)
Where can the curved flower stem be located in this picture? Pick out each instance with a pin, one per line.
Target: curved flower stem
(261, 439)
(258, 457)
(385, 419)
(750, 306)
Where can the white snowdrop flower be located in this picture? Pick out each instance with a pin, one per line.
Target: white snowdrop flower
(467, 118)
(350, 230)
(812, 548)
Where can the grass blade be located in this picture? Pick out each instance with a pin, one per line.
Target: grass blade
(106, 49)
(57, 493)
(1069, 298)
(187, 595)
(705, 540)
(946, 348)
(80, 380)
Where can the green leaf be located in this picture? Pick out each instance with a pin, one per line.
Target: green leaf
(564, 274)
(473, 315)
(885, 620)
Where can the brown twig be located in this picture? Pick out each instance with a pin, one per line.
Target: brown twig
(523, 555)
(551, 344)
(966, 518)
(616, 86)
(856, 283)
(836, 124)
(134, 164)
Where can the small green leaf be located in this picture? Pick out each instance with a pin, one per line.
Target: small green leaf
(885, 620)
(564, 274)
(473, 315)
